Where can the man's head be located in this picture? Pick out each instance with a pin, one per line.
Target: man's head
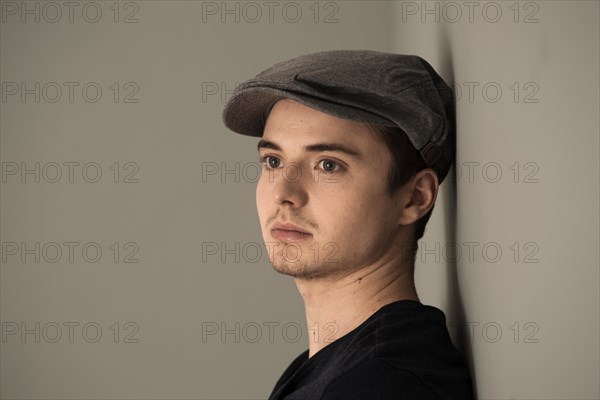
(358, 207)
(394, 110)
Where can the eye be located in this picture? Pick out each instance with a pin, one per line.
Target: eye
(266, 161)
(330, 165)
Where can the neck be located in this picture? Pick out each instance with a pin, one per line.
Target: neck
(336, 306)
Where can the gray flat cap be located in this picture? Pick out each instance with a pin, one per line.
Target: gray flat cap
(361, 85)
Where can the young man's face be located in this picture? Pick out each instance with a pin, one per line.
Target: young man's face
(338, 198)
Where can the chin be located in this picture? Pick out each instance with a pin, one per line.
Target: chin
(298, 270)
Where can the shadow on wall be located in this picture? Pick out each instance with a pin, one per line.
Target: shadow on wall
(456, 309)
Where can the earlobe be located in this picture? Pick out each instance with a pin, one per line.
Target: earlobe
(407, 202)
(418, 196)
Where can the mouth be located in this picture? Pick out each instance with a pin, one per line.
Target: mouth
(289, 231)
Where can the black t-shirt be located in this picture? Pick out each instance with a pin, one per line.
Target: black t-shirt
(401, 352)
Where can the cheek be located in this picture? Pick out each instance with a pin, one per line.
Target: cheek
(342, 212)
(353, 216)
(262, 200)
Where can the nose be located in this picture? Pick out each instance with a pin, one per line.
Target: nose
(290, 186)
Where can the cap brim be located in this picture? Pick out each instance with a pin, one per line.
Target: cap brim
(246, 112)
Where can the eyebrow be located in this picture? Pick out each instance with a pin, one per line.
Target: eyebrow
(315, 148)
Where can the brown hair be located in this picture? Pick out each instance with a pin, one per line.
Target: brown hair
(406, 162)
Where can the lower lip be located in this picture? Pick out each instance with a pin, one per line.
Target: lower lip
(281, 234)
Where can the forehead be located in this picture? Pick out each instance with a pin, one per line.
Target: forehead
(293, 124)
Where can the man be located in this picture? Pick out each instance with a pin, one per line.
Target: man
(354, 146)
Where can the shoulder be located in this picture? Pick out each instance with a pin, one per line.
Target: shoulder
(407, 334)
(404, 353)
(376, 379)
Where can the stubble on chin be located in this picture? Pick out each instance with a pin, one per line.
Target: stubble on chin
(297, 269)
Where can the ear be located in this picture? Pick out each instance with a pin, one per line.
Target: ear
(418, 196)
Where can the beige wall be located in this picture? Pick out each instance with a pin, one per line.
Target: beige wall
(167, 210)
(530, 313)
